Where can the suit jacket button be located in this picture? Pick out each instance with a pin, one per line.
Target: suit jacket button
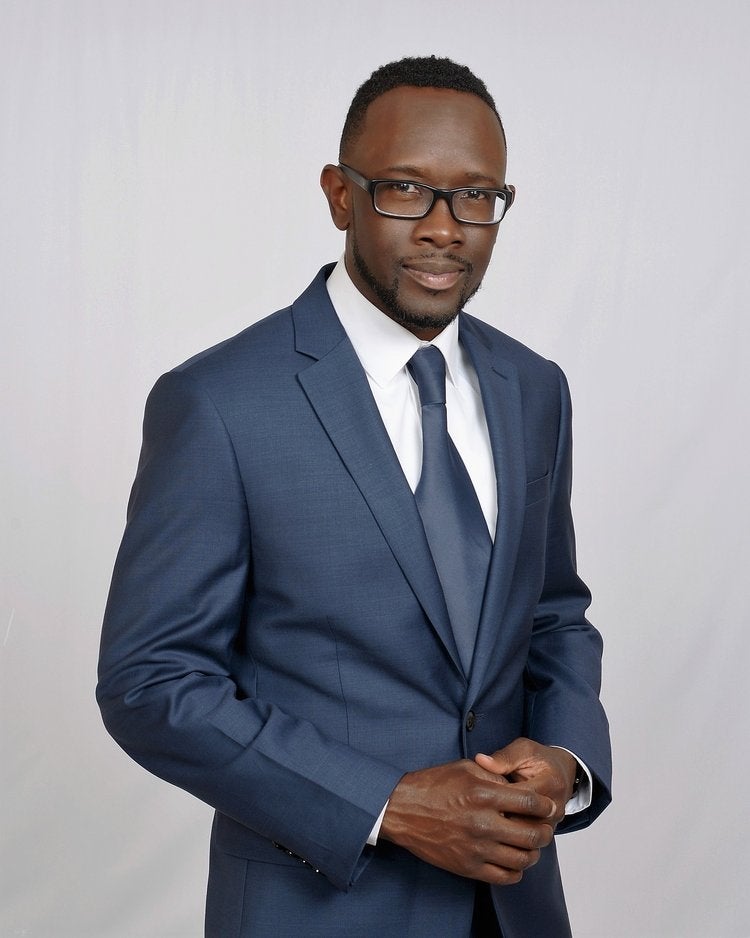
(471, 720)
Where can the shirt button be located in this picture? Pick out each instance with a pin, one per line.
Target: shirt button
(471, 720)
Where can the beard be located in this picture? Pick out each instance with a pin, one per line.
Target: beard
(394, 308)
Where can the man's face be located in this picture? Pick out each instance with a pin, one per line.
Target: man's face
(419, 272)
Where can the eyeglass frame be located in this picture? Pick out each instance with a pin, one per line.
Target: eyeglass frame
(369, 185)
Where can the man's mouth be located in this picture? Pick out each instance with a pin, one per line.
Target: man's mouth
(434, 275)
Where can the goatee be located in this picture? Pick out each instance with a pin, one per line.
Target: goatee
(394, 309)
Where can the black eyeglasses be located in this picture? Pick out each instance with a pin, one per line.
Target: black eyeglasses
(401, 198)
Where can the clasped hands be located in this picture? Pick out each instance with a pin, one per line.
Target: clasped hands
(486, 819)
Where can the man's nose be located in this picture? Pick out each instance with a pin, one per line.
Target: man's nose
(439, 226)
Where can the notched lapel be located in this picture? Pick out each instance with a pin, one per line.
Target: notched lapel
(340, 395)
(501, 397)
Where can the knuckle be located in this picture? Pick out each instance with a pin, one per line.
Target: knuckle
(524, 859)
(548, 833)
(539, 836)
(477, 855)
(482, 795)
(527, 802)
(531, 858)
(503, 877)
(533, 838)
(479, 826)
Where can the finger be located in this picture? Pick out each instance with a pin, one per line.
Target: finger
(505, 841)
(520, 834)
(507, 866)
(494, 763)
(520, 800)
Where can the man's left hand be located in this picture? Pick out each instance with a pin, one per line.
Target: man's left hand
(546, 769)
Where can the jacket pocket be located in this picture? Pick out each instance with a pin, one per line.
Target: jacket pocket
(537, 490)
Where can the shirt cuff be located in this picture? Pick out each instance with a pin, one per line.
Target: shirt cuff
(583, 796)
(373, 838)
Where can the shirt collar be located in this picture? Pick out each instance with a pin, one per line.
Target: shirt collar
(382, 345)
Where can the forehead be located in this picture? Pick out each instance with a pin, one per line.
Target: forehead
(443, 132)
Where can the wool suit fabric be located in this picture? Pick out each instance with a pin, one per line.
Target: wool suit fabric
(276, 640)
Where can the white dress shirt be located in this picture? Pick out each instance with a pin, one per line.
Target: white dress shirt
(384, 347)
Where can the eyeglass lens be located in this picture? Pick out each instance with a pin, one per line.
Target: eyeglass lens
(409, 200)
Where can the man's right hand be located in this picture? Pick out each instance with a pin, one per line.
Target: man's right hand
(469, 821)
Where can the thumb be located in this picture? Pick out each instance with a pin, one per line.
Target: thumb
(498, 763)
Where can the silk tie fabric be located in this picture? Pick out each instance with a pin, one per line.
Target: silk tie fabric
(452, 517)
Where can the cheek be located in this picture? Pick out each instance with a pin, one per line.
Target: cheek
(378, 241)
(388, 250)
(481, 253)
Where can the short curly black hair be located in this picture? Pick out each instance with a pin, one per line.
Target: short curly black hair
(418, 72)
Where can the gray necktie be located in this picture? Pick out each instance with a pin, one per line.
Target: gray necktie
(453, 521)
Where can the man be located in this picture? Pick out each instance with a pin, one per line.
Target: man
(387, 688)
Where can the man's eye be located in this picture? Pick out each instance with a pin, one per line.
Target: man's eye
(475, 195)
(404, 189)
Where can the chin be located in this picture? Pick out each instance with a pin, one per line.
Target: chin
(413, 320)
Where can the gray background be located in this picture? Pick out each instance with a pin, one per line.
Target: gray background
(135, 138)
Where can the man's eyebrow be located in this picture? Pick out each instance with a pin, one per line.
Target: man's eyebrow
(416, 172)
(483, 177)
(405, 169)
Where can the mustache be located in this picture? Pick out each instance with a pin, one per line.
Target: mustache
(439, 256)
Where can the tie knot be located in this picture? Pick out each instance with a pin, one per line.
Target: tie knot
(427, 367)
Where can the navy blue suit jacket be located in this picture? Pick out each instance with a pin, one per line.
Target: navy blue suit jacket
(276, 641)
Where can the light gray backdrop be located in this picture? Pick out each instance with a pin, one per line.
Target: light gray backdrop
(137, 139)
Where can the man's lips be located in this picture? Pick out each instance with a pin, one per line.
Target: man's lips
(434, 275)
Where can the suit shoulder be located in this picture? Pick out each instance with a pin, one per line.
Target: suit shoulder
(529, 363)
(244, 367)
(266, 351)
(256, 342)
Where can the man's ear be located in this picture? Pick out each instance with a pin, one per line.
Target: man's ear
(337, 190)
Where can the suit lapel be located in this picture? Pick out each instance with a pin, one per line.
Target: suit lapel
(337, 389)
(501, 397)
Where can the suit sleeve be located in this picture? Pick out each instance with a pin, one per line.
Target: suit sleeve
(172, 626)
(563, 673)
